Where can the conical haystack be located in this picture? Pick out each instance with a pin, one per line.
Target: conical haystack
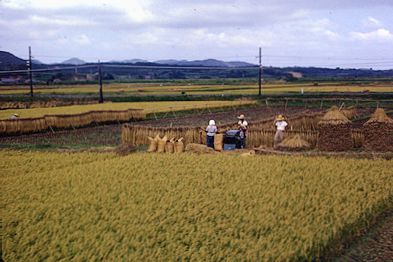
(295, 143)
(378, 132)
(334, 132)
(349, 112)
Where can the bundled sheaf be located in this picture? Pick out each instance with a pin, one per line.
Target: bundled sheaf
(295, 143)
(28, 125)
(334, 132)
(378, 132)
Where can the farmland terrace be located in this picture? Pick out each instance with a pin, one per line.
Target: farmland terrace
(110, 135)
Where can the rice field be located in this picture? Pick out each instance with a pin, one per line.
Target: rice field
(142, 89)
(149, 107)
(160, 207)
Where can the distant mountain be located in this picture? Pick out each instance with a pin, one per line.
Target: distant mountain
(10, 62)
(73, 61)
(206, 62)
(37, 62)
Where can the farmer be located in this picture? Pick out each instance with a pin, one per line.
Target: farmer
(280, 124)
(211, 130)
(242, 124)
(14, 116)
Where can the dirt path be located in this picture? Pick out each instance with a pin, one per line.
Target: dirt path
(375, 245)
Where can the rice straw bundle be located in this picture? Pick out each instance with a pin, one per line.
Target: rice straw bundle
(378, 132)
(295, 143)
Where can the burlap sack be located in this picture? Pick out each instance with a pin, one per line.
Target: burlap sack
(170, 146)
(161, 144)
(179, 145)
(218, 142)
(153, 145)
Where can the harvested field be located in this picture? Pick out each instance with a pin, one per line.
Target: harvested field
(167, 207)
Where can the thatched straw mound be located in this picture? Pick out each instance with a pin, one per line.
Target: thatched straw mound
(295, 143)
(334, 132)
(378, 132)
(199, 149)
(334, 117)
(349, 112)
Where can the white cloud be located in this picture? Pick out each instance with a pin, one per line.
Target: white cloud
(378, 35)
(65, 21)
(372, 22)
(82, 40)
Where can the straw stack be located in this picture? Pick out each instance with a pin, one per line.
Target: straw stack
(199, 149)
(334, 132)
(349, 112)
(295, 143)
(378, 132)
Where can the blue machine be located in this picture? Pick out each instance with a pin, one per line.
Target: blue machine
(232, 140)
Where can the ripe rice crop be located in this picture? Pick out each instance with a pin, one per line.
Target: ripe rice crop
(86, 206)
(149, 107)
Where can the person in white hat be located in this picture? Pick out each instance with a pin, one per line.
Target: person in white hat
(243, 129)
(211, 130)
(280, 124)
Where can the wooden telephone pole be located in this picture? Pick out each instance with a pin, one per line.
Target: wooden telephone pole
(101, 99)
(30, 67)
(260, 73)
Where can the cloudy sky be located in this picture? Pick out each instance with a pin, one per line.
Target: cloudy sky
(344, 33)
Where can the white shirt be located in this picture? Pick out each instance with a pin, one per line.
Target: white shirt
(243, 124)
(281, 125)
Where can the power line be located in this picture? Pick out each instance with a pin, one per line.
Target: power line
(47, 69)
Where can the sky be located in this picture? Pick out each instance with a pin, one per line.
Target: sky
(332, 33)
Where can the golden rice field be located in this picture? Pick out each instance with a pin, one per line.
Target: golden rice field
(149, 107)
(165, 207)
(156, 89)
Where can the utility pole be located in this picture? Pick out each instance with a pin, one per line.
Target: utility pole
(101, 100)
(29, 64)
(260, 72)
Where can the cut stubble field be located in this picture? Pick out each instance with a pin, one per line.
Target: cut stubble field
(89, 206)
